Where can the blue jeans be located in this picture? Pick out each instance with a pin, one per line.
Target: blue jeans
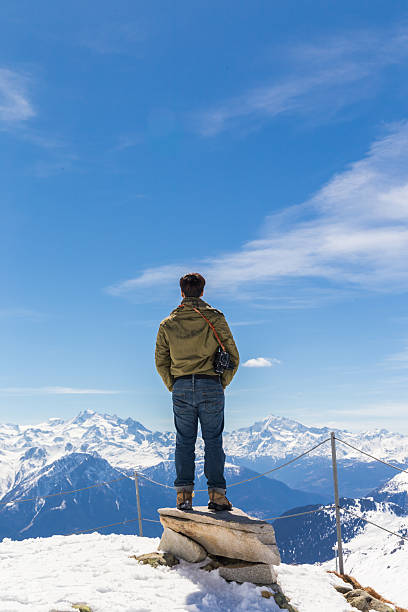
(199, 399)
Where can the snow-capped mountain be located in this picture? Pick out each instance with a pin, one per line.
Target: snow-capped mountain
(395, 490)
(281, 437)
(65, 513)
(89, 506)
(270, 442)
(310, 538)
(127, 444)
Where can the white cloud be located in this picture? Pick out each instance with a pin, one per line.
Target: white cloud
(353, 234)
(260, 362)
(54, 391)
(148, 278)
(14, 103)
(269, 101)
(324, 79)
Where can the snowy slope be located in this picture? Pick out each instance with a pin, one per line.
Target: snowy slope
(43, 574)
(395, 490)
(126, 443)
(91, 506)
(66, 513)
(310, 538)
(378, 559)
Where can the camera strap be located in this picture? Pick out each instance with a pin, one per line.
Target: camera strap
(211, 325)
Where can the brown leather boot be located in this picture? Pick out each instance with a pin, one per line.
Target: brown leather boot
(218, 500)
(184, 500)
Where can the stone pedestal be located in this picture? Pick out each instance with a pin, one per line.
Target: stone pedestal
(247, 544)
(181, 546)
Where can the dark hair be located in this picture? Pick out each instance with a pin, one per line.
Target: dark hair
(192, 285)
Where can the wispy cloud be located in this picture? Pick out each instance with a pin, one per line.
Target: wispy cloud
(322, 80)
(54, 391)
(147, 279)
(16, 109)
(261, 362)
(398, 360)
(352, 235)
(15, 105)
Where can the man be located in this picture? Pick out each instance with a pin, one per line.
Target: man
(185, 349)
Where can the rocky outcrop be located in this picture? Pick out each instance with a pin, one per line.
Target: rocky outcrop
(231, 534)
(234, 570)
(240, 547)
(155, 559)
(181, 546)
(363, 598)
(360, 599)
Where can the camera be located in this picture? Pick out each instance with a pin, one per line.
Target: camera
(222, 361)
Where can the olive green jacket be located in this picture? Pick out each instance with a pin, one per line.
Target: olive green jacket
(186, 343)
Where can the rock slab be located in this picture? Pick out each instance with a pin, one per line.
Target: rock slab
(181, 546)
(229, 534)
(257, 573)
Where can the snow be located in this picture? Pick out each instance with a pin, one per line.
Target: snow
(397, 484)
(378, 559)
(311, 589)
(45, 573)
(126, 443)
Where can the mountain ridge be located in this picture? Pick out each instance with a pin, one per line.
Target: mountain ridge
(128, 444)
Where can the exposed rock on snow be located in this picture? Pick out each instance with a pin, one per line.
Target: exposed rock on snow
(155, 559)
(229, 534)
(181, 546)
(242, 549)
(361, 600)
(239, 571)
(379, 559)
(364, 597)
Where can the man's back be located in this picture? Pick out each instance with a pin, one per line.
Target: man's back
(186, 344)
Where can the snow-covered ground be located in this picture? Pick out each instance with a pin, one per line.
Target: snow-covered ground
(378, 559)
(42, 574)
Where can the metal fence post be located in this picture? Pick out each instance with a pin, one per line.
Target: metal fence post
(336, 499)
(139, 513)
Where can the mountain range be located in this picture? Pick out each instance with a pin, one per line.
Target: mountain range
(311, 538)
(60, 456)
(127, 444)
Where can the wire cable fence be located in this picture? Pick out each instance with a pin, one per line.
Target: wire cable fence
(362, 518)
(394, 467)
(234, 484)
(70, 492)
(161, 484)
(139, 518)
(285, 516)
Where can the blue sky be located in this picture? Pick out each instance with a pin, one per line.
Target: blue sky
(264, 144)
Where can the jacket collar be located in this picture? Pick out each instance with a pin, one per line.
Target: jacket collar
(193, 301)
